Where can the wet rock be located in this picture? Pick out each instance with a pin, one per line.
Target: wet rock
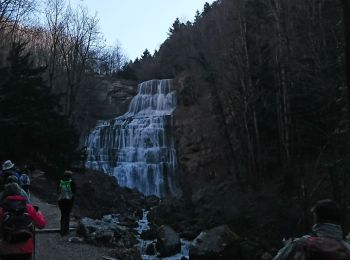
(250, 250)
(168, 241)
(217, 243)
(150, 249)
(149, 234)
(152, 201)
(106, 232)
(129, 221)
(105, 237)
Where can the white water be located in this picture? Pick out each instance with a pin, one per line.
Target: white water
(138, 147)
(143, 226)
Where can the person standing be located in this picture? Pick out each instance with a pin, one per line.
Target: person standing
(24, 180)
(17, 219)
(8, 169)
(66, 191)
(325, 240)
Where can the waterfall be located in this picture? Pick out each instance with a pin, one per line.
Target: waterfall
(138, 147)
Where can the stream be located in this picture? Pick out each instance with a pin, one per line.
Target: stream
(143, 225)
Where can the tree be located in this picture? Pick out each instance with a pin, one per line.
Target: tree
(346, 21)
(13, 11)
(111, 60)
(31, 127)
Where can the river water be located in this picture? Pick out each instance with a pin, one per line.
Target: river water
(143, 225)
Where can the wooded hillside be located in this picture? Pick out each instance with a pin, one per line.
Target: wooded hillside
(276, 71)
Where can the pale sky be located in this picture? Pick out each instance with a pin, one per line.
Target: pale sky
(140, 24)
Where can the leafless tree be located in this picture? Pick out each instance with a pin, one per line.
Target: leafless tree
(14, 11)
(111, 60)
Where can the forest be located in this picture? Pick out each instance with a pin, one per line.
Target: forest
(278, 74)
(50, 56)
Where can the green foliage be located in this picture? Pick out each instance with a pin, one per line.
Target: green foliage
(30, 126)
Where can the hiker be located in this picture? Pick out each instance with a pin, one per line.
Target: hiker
(17, 220)
(66, 192)
(24, 180)
(13, 179)
(325, 240)
(8, 169)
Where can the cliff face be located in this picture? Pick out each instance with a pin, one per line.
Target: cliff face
(105, 99)
(203, 152)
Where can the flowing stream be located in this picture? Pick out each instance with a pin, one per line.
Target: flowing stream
(143, 226)
(138, 147)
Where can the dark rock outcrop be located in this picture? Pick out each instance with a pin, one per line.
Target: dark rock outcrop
(104, 98)
(217, 243)
(168, 241)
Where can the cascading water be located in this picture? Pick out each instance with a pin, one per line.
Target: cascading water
(138, 148)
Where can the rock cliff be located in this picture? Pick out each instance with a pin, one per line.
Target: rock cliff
(203, 152)
(105, 99)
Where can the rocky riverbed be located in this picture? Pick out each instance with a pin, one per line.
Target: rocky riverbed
(124, 224)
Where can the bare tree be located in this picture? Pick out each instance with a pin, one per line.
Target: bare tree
(54, 13)
(73, 38)
(12, 12)
(111, 60)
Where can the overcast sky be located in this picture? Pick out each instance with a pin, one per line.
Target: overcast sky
(140, 24)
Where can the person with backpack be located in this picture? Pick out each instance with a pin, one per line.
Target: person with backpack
(13, 179)
(24, 180)
(66, 192)
(9, 169)
(325, 242)
(18, 219)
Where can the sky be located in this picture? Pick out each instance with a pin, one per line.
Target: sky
(140, 24)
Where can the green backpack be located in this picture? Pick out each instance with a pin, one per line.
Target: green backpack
(65, 190)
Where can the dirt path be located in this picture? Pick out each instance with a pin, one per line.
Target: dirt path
(51, 246)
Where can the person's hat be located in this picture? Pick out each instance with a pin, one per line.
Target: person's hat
(7, 165)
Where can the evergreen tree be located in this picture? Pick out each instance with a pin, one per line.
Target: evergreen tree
(30, 125)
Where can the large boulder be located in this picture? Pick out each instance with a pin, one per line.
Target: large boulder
(168, 241)
(217, 243)
(106, 232)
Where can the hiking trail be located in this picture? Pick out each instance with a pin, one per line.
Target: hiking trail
(51, 246)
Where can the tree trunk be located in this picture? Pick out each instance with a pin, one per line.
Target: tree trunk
(346, 11)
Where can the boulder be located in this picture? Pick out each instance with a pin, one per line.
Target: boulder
(149, 234)
(217, 243)
(150, 250)
(168, 241)
(106, 232)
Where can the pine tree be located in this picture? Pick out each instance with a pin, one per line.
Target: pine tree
(30, 125)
